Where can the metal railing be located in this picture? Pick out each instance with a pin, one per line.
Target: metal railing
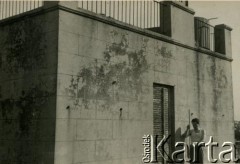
(12, 8)
(204, 34)
(143, 14)
(140, 13)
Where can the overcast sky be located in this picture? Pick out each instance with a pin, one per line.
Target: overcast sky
(228, 12)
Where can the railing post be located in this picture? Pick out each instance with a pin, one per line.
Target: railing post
(47, 4)
(68, 4)
(177, 21)
(223, 39)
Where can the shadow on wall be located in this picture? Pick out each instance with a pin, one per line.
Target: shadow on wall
(23, 98)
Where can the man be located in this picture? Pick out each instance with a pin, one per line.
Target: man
(196, 136)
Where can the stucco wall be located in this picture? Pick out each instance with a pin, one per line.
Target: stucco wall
(28, 65)
(105, 91)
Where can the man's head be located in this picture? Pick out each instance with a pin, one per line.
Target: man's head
(195, 123)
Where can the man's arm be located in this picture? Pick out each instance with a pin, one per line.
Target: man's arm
(187, 132)
(203, 135)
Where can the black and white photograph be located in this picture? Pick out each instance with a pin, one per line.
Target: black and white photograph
(119, 82)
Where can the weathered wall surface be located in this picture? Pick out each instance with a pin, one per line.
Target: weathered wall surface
(28, 64)
(105, 91)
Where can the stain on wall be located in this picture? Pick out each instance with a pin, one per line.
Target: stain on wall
(25, 108)
(219, 81)
(24, 49)
(24, 92)
(163, 58)
(21, 119)
(111, 83)
(121, 69)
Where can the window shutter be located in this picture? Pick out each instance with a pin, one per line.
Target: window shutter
(158, 116)
(161, 117)
(166, 119)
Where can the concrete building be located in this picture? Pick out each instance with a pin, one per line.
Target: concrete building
(79, 87)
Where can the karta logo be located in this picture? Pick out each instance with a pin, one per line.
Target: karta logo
(153, 150)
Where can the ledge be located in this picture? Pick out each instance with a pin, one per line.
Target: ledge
(141, 31)
(223, 26)
(112, 22)
(20, 16)
(212, 53)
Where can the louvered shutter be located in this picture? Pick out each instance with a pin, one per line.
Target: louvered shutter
(166, 119)
(161, 117)
(158, 116)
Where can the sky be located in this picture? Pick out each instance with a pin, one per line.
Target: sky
(227, 12)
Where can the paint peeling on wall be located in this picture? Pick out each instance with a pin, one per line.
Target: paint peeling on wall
(162, 51)
(121, 71)
(163, 58)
